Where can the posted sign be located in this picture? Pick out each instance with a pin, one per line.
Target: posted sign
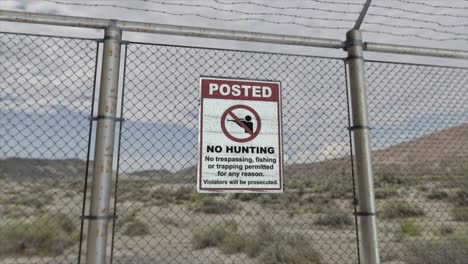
(240, 136)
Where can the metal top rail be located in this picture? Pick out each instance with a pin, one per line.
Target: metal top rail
(85, 22)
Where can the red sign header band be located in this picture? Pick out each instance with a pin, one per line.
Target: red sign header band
(240, 90)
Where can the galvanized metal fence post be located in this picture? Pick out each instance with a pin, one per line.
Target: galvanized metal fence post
(366, 201)
(99, 214)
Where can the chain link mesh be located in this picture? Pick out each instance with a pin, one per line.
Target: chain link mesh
(46, 91)
(419, 139)
(161, 217)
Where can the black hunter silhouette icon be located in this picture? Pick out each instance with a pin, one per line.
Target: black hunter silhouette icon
(247, 122)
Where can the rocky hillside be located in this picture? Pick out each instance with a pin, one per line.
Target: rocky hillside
(19, 169)
(442, 152)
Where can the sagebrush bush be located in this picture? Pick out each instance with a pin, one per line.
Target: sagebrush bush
(462, 198)
(334, 218)
(385, 193)
(437, 195)
(213, 206)
(410, 228)
(270, 246)
(136, 228)
(290, 248)
(213, 235)
(453, 251)
(460, 213)
(48, 235)
(401, 209)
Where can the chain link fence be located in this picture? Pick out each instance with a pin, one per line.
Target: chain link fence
(163, 219)
(418, 115)
(46, 93)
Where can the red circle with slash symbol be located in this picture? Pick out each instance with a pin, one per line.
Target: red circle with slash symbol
(252, 133)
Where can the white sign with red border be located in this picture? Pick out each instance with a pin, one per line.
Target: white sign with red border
(240, 136)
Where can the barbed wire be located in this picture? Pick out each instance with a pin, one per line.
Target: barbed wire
(432, 5)
(418, 20)
(243, 12)
(417, 12)
(413, 27)
(413, 35)
(457, 35)
(197, 15)
(290, 7)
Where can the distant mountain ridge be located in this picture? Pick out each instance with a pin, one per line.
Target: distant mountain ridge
(444, 151)
(36, 169)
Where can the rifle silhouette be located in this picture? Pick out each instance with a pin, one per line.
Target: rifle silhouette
(232, 120)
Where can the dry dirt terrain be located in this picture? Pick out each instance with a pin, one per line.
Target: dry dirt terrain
(421, 191)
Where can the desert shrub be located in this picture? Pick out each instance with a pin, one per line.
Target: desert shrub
(162, 197)
(334, 218)
(437, 195)
(246, 196)
(399, 209)
(267, 244)
(165, 220)
(48, 235)
(30, 199)
(183, 194)
(391, 178)
(213, 235)
(127, 217)
(453, 251)
(410, 228)
(460, 213)
(235, 243)
(212, 206)
(136, 228)
(290, 248)
(462, 198)
(295, 184)
(385, 193)
(446, 230)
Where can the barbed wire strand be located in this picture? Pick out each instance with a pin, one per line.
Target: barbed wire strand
(245, 3)
(413, 35)
(287, 7)
(417, 12)
(242, 12)
(198, 15)
(418, 20)
(413, 27)
(280, 22)
(432, 5)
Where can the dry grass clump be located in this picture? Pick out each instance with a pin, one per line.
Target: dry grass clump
(461, 198)
(212, 206)
(136, 228)
(460, 213)
(270, 246)
(213, 235)
(35, 200)
(334, 218)
(48, 235)
(437, 195)
(385, 193)
(288, 249)
(410, 228)
(401, 209)
(453, 251)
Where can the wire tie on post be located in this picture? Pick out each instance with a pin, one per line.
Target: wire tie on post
(117, 119)
(364, 214)
(352, 128)
(98, 217)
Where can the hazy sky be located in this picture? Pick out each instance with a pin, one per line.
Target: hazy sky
(45, 104)
(398, 15)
